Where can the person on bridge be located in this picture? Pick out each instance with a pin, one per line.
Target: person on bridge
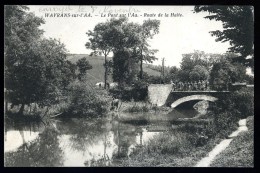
(203, 85)
(173, 86)
(195, 86)
(189, 86)
(199, 85)
(181, 86)
(207, 85)
(185, 88)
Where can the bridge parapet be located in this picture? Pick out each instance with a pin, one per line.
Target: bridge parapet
(162, 94)
(158, 93)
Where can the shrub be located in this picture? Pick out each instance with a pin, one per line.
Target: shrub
(83, 101)
(230, 108)
(137, 93)
(244, 102)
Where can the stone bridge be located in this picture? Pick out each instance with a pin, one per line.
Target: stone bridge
(162, 94)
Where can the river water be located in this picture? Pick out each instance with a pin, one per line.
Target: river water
(78, 141)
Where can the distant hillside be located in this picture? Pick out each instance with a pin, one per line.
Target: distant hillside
(96, 74)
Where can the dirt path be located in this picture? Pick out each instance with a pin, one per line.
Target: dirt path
(206, 161)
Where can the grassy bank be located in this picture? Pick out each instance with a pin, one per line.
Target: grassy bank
(178, 149)
(187, 145)
(96, 74)
(240, 152)
(143, 107)
(142, 113)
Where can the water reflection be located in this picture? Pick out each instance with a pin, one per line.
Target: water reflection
(77, 142)
(43, 151)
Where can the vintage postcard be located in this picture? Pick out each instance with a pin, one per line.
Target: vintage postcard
(129, 86)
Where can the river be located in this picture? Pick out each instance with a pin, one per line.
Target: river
(78, 141)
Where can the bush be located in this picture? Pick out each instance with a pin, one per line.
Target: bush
(244, 102)
(137, 108)
(230, 108)
(128, 93)
(83, 101)
(240, 152)
(167, 143)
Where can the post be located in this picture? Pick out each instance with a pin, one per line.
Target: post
(105, 77)
(162, 72)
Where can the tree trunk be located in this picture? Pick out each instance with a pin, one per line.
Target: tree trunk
(141, 68)
(21, 109)
(105, 77)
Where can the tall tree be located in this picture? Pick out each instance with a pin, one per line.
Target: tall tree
(36, 70)
(224, 73)
(192, 60)
(238, 28)
(199, 72)
(125, 68)
(104, 38)
(147, 30)
(83, 65)
(21, 32)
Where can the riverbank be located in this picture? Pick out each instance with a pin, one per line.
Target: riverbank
(183, 147)
(240, 152)
(143, 107)
(186, 146)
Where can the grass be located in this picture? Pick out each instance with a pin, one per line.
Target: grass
(34, 111)
(240, 152)
(135, 107)
(183, 148)
(96, 74)
(178, 148)
(142, 113)
(140, 107)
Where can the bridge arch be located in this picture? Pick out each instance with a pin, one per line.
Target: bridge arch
(193, 97)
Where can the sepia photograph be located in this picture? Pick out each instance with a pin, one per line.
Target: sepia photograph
(129, 86)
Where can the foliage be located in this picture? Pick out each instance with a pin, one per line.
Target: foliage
(124, 67)
(148, 29)
(150, 79)
(83, 65)
(102, 40)
(195, 66)
(154, 79)
(85, 102)
(21, 31)
(173, 73)
(238, 24)
(240, 152)
(230, 108)
(137, 108)
(129, 93)
(244, 102)
(36, 69)
(224, 73)
(171, 149)
(199, 73)
(43, 151)
(96, 74)
(122, 37)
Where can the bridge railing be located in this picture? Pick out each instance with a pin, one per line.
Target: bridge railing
(191, 86)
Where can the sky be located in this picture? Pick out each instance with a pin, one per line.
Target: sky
(181, 33)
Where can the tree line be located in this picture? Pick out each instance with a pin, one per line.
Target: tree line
(37, 71)
(129, 44)
(36, 68)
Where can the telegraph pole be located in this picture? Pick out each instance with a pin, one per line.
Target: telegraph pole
(163, 69)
